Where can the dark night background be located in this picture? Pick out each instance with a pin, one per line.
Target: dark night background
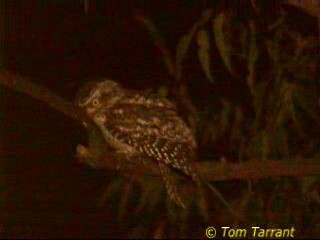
(44, 191)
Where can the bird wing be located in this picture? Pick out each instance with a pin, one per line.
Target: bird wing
(153, 127)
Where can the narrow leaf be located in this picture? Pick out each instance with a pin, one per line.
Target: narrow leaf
(203, 204)
(124, 199)
(112, 189)
(159, 41)
(252, 56)
(306, 98)
(220, 29)
(204, 53)
(184, 43)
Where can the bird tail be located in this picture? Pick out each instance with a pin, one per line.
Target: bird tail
(171, 186)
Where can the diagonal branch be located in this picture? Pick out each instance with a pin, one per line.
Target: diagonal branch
(208, 170)
(22, 84)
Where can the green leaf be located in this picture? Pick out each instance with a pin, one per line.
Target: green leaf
(163, 91)
(182, 49)
(159, 232)
(236, 126)
(292, 110)
(258, 102)
(203, 53)
(265, 145)
(203, 205)
(307, 99)
(85, 5)
(137, 232)
(252, 56)
(183, 223)
(308, 183)
(159, 41)
(172, 211)
(124, 199)
(226, 111)
(113, 188)
(244, 43)
(185, 41)
(151, 192)
(221, 28)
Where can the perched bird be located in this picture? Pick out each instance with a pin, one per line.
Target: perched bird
(138, 125)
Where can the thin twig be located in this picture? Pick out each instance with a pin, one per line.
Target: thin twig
(159, 41)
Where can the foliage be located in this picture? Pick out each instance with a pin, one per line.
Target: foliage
(247, 84)
(278, 72)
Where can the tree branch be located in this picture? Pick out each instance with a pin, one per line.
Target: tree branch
(226, 171)
(256, 169)
(208, 170)
(22, 84)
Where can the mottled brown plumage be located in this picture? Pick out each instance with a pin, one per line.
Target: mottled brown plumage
(139, 125)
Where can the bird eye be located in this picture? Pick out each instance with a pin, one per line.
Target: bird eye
(95, 102)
